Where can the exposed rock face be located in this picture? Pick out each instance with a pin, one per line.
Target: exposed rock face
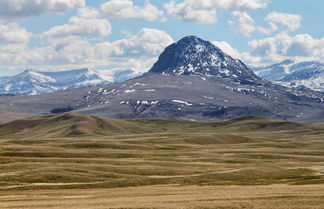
(194, 56)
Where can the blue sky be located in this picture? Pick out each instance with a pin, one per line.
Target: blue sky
(117, 34)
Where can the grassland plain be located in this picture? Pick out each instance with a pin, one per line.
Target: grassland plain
(82, 161)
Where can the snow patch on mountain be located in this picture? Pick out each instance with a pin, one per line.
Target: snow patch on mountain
(181, 102)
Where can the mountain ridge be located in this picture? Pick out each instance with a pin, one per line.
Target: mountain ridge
(308, 74)
(33, 82)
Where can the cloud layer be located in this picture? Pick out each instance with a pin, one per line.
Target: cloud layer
(127, 9)
(138, 52)
(13, 9)
(282, 46)
(204, 12)
(80, 26)
(13, 33)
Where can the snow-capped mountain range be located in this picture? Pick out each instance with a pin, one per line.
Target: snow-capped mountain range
(192, 79)
(32, 82)
(295, 74)
(190, 56)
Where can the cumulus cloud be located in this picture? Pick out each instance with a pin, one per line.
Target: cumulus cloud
(126, 9)
(80, 26)
(149, 42)
(228, 49)
(204, 12)
(190, 11)
(291, 21)
(92, 22)
(88, 12)
(12, 9)
(13, 33)
(243, 22)
(87, 22)
(283, 46)
(272, 27)
(138, 52)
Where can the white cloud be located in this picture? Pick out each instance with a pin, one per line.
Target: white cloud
(126, 9)
(146, 43)
(228, 49)
(150, 42)
(204, 12)
(190, 11)
(88, 22)
(137, 52)
(13, 33)
(244, 4)
(243, 22)
(272, 27)
(79, 26)
(88, 12)
(12, 9)
(291, 21)
(92, 22)
(283, 46)
(19, 56)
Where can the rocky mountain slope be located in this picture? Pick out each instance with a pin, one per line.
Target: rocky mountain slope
(192, 79)
(194, 56)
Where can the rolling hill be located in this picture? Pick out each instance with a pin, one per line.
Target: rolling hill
(82, 125)
(69, 124)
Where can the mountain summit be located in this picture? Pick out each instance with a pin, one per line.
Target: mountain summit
(194, 56)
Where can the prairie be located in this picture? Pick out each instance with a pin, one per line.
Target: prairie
(83, 161)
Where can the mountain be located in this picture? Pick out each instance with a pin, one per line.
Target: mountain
(192, 79)
(274, 72)
(194, 56)
(295, 74)
(32, 82)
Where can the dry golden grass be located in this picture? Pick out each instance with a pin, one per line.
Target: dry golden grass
(139, 163)
(170, 196)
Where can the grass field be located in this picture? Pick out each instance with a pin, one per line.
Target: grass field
(170, 196)
(80, 161)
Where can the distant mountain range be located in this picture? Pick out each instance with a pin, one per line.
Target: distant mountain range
(210, 61)
(192, 79)
(32, 82)
(295, 74)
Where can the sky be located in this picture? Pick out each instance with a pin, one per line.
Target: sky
(56, 35)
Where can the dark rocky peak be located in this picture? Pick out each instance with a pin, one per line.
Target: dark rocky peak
(194, 56)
